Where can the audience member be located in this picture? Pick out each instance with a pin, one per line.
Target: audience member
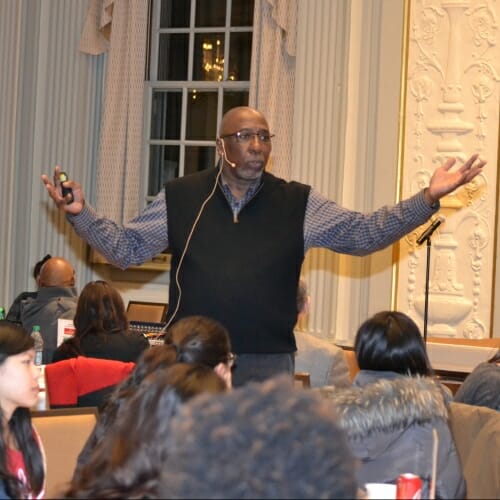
(128, 460)
(198, 339)
(394, 405)
(56, 299)
(482, 386)
(265, 440)
(262, 226)
(324, 361)
(14, 313)
(156, 358)
(101, 327)
(22, 468)
(192, 340)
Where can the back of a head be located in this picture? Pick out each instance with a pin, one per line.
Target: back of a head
(128, 460)
(495, 358)
(481, 387)
(158, 396)
(100, 309)
(13, 340)
(266, 440)
(391, 341)
(57, 271)
(156, 358)
(38, 266)
(199, 339)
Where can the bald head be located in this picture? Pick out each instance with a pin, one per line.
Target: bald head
(57, 272)
(241, 117)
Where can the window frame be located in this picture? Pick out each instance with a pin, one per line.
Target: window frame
(152, 84)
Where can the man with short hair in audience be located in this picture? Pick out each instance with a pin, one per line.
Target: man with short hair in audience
(57, 298)
(14, 313)
(324, 361)
(263, 440)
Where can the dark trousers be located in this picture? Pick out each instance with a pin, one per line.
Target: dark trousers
(260, 367)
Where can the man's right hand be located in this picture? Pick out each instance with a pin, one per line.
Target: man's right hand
(55, 191)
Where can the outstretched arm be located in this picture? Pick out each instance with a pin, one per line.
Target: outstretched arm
(443, 181)
(135, 242)
(331, 226)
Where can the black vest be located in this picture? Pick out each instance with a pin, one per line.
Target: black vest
(243, 274)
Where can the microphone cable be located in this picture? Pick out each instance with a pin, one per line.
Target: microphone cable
(186, 246)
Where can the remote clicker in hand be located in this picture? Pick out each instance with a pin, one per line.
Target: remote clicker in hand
(63, 177)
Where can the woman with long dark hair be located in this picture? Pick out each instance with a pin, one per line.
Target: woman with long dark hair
(22, 468)
(101, 327)
(199, 339)
(395, 408)
(128, 460)
(195, 340)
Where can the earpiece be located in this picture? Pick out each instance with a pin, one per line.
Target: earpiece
(224, 155)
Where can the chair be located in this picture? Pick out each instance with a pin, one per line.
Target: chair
(83, 381)
(63, 433)
(476, 432)
(152, 312)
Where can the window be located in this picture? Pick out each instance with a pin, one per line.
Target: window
(199, 67)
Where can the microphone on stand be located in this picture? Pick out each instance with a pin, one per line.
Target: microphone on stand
(430, 229)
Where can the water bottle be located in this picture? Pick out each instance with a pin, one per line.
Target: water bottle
(2, 313)
(37, 337)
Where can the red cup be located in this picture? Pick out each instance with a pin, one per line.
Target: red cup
(409, 486)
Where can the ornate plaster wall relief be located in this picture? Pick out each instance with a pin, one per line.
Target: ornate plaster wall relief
(452, 111)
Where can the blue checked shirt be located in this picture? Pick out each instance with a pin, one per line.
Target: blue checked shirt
(326, 225)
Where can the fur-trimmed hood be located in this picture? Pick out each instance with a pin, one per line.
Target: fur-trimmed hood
(388, 405)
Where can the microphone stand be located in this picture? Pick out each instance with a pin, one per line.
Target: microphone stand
(426, 295)
(426, 236)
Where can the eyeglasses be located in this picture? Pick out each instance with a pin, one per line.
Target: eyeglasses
(244, 136)
(231, 359)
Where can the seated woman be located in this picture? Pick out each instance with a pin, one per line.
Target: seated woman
(393, 407)
(128, 460)
(101, 327)
(22, 468)
(157, 358)
(194, 339)
(482, 386)
(198, 339)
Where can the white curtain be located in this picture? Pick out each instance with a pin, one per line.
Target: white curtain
(273, 75)
(120, 28)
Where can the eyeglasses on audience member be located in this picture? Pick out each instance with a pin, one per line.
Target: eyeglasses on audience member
(231, 359)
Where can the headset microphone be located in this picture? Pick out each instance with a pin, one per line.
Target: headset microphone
(224, 155)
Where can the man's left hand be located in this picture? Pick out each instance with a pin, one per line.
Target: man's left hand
(443, 181)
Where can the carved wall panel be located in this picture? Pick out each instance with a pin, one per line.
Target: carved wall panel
(451, 109)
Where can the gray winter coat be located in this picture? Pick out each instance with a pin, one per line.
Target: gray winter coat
(389, 420)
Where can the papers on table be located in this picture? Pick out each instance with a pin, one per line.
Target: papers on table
(65, 330)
